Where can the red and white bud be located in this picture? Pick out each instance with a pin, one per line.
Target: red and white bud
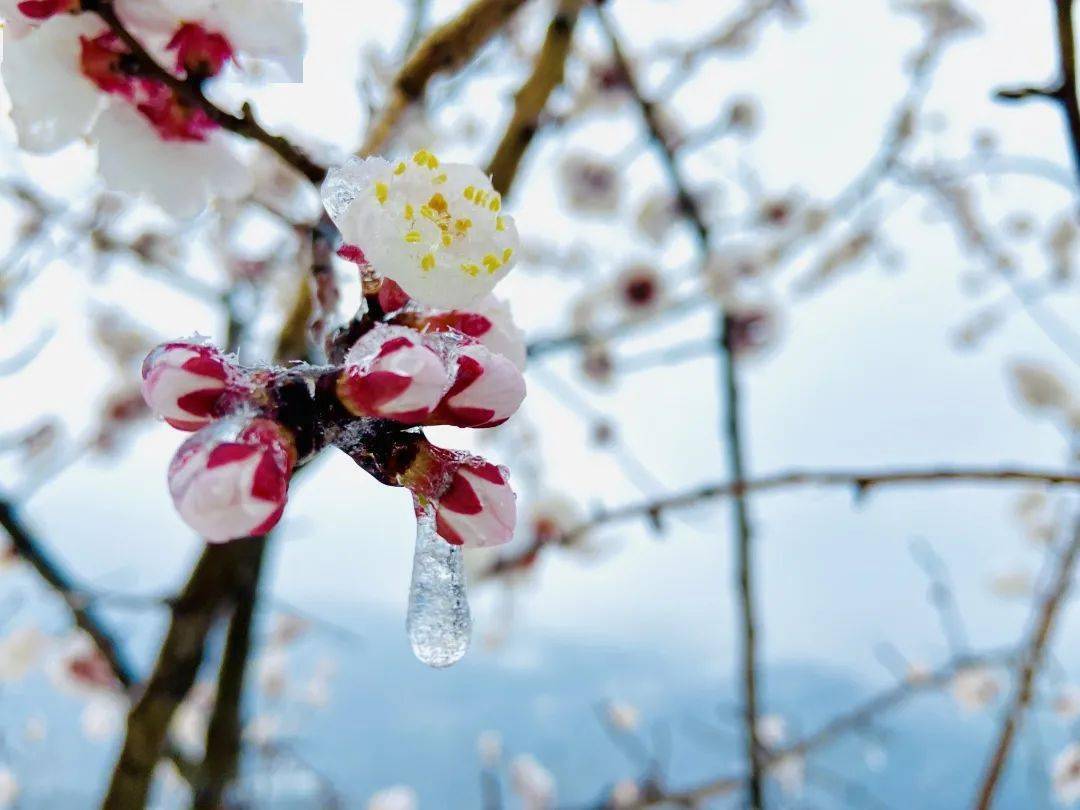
(231, 479)
(486, 391)
(489, 322)
(391, 296)
(187, 383)
(474, 504)
(391, 374)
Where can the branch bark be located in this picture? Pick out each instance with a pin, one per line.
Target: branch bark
(447, 48)
(530, 100)
(177, 665)
(223, 734)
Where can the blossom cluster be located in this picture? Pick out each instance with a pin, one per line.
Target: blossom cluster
(399, 365)
(71, 76)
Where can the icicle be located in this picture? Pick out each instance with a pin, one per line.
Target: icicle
(438, 622)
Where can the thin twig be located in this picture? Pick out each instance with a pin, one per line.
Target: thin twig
(860, 481)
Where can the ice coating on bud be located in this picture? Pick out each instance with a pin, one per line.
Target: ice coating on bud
(436, 229)
(478, 508)
(231, 479)
(487, 389)
(438, 622)
(184, 382)
(391, 374)
(487, 321)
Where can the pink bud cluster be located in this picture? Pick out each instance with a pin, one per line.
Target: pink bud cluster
(418, 378)
(397, 368)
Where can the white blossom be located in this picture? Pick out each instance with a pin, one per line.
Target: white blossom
(20, 650)
(9, 787)
(436, 229)
(1066, 775)
(398, 797)
(974, 688)
(532, 782)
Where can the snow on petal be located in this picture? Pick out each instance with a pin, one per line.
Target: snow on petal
(436, 229)
(180, 176)
(52, 103)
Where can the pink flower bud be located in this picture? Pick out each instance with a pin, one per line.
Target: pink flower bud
(231, 479)
(474, 504)
(184, 383)
(391, 374)
(487, 390)
(43, 9)
(488, 321)
(391, 296)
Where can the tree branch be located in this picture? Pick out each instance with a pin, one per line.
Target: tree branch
(219, 765)
(861, 482)
(731, 423)
(176, 668)
(446, 48)
(190, 92)
(33, 551)
(1030, 663)
(530, 100)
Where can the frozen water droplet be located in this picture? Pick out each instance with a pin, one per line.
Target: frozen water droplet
(438, 622)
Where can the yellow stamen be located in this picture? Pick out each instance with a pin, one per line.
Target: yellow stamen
(468, 192)
(381, 192)
(471, 269)
(400, 168)
(500, 224)
(412, 237)
(495, 204)
(428, 262)
(507, 254)
(409, 212)
(491, 262)
(440, 179)
(447, 240)
(438, 203)
(462, 226)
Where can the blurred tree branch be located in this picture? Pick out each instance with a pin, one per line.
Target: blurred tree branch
(861, 483)
(691, 210)
(445, 49)
(532, 97)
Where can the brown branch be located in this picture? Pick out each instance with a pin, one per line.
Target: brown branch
(33, 551)
(177, 665)
(223, 734)
(530, 100)
(446, 48)
(861, 482)
(731, 427)
(1035, 648)
(190, 92)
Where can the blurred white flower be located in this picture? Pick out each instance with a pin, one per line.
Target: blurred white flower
(1016, 583)
(591, 184)
(532, 782)
(273, 672)
(20, 650)
(102, 717)
(398, 797)
(771, 730)
(623, 716)
(1066, 774)
(489, 747)
(790, 772)
(1040, 388)
(9, 787)
(974, 688)
(1066, 703)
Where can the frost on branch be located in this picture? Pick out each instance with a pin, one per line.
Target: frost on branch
(437, 229)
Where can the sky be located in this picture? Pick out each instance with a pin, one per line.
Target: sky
(867, 374)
